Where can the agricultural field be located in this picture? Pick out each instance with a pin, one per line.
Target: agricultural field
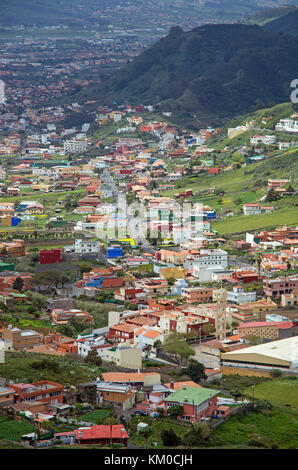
(238, 224)
(278, 391)
(97, 416)
(278, 429)
(13, 430)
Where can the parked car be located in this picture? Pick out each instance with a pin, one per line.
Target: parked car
(141, 413)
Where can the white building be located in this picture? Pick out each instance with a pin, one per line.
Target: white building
(207, 259)
(75, 146)
(87, 343)
(238, 296)
(287, 125)
(82, 247)
(263, 139)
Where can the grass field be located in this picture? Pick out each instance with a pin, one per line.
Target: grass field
(278, 391)
(97, 416)
(236, 224)
(13, 430)
(279, 428)
(31, 367)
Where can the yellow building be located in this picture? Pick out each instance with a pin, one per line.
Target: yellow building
(172, 273)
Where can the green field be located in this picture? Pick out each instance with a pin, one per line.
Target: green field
(97, 416)
(13, 430)
(278, 428)
(278, 392)
(256, 222)
(31, 367)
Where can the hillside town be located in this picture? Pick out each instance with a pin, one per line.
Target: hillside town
(113, 260)
(148, 226)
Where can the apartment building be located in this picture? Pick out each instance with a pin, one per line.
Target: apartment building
(44, 390)
(197, 294)
(207, 258)
(85, 247)
(280, 285)
(75, 146)
(239, 296)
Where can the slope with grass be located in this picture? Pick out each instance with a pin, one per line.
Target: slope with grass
(32, 367)
(278, 429)
(278, 391)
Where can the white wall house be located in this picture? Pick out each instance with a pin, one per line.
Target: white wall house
(84, 247)
(238, 296)
(207, 259)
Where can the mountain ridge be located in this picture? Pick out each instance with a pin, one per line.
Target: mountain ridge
(214, 72)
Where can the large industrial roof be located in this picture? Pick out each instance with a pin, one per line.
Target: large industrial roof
(283, 349)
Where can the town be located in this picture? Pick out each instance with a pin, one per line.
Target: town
(120, 267)
(148, 256)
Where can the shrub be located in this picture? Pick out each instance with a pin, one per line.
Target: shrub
(274, 373)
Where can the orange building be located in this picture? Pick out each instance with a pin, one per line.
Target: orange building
(46, 391)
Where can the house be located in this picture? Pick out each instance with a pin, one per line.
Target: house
(245, 276)
(124, 356)
(121, 332)
(197, 294)
(45, 390)
(254, 209)
(103, 435)
(136, 379)
(7, 395)
(197, 403)
(21, 339)
(239, 296)
(119, 394)
(289, 299)
(280, 285)
(63, 316)
(207, 258)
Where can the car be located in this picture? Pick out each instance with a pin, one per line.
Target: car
(141, 412)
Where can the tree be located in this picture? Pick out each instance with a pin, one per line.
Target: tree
(146, 432)
(254, 340)
(18, 284)
(208, 329)
(274, 373)
(93, 358)
(175, 344)
(195, 370)
(169, 438)
(64, 279)
(175, 410)
(272, 195)
(199, 433)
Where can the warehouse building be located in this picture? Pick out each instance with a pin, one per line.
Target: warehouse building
(281, 354)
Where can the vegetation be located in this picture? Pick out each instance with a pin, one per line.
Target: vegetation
(31, 367)
(14, 430)
(177, 69)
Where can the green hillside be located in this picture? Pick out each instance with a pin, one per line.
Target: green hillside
(214, 72)
(287, 24)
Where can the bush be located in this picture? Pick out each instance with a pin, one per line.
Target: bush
(274, 373)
